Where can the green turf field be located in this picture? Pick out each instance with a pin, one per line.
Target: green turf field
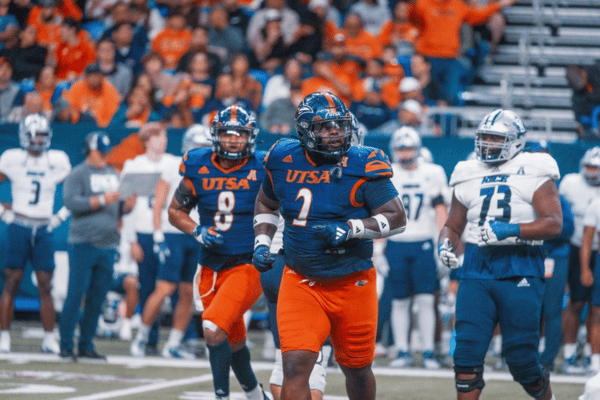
(27, 374)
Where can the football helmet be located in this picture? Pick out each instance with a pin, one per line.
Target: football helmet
(35, 133)
(324, 125)
(405, 138)
(233, 121)
(509, 129)
(359, 131)
(197, 135)
(425, 155)
(591, 158)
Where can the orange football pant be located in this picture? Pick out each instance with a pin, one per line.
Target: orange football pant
(309, 311)
(227, 295)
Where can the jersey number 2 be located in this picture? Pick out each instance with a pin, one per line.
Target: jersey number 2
(503, 203)
(306, 196)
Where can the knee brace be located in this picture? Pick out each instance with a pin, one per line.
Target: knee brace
(538, 388)
(277, 374)
(317, 376)
(468, 385)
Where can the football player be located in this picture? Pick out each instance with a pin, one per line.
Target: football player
(508, 203)
(412, 267)
(580, 189)
(34, 171)
(177, 254)
(335, 199)
(223, 182)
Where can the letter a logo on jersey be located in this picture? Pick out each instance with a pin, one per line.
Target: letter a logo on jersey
(203, 170)
(521, 171)
(288, 159)
(251, 175)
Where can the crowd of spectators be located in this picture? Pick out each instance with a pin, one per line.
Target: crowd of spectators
(128, 62)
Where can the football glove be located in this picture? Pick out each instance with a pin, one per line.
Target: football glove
(262, 259)
(447, 256)
(161, 249)
(54, 223)
(7, 216)
(334, 233)
(208, 236)
(496, 231)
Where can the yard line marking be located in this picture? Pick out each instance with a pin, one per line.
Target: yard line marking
(145, 388)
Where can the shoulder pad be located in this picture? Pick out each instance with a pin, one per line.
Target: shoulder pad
(281, 149)
(465, 170)
(194, 157)
(542, 164)
(366, 162)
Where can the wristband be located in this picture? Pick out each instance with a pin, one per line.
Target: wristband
(101, 200)
(158, 237)
(266, 218)
(357, 229)
(262, 239)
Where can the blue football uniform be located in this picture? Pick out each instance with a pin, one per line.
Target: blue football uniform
(311, 195)
(225, 200)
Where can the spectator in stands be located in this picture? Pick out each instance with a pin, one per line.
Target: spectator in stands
(32, 104)
(173, 41)
(98, 10)
(371, 110)
(585, 83)
(127, 51)
(48, 89)
(411, 113)
(420, 68)
(190, 10)
(123, 13)
(375, 77)
(74, 51)
(46, 18)
(373, 14)
(69, 9)
(360, 42)
(224, 96)
(410, 88)
(27, 57)
(238, 18)
(278, 116)
(20, 9)
(245, 85)
(120, 75)
(309, 38)
(329, 20)
(493, 30)
(9, 90)
(9, 26)
(199, 42)
(162, 82)
(137, 110)
(279, 86)
(334, 71)
(91, 194)
(439, 40)
(289, 19)
(91, 99)
(128, 148)
(400, 31)
(268, 47)
(224, 39)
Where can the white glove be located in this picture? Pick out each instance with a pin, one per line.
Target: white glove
(55, 221)
(7, 216)
(496, 231)
(447, 256)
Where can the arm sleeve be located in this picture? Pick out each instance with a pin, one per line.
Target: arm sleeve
(377, 192)
(73, 199)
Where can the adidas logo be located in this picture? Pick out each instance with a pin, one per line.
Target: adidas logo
(288, 159)
(523, 283)
(203, 170)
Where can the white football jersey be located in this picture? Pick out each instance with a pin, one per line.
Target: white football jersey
(418, 188)
(579, 194)
(33, 180)
(142, 213)
(503, 193)
(592, 217)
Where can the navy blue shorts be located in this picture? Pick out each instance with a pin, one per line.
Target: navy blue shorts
(25, 243)
(181, 264)
(595, 297)
(514, 303)
(412, 268)
(577, 291)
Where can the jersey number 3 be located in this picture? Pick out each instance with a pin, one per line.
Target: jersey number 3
(503, 203)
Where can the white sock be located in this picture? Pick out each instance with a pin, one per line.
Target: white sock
(175, 337)
(5, 335)
(426, 318)
(497, 344)
(255, 394)
(587, 350)
(49, 335)
(595, 362)
(542, 344)
(569, 350)
(143, 333)
(401, 323)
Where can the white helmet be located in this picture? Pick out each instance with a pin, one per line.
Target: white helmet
(197, 135)
(505, 124)
(425, 155)
(359, 131)
(35, 133)
(591, 158)
(405, 138)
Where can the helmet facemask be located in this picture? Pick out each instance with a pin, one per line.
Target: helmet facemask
(330, 138)
(228, 142)
(35, 133)
(499, 137)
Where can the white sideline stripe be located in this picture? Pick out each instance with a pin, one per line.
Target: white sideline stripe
(139, 362)
(145, 388)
